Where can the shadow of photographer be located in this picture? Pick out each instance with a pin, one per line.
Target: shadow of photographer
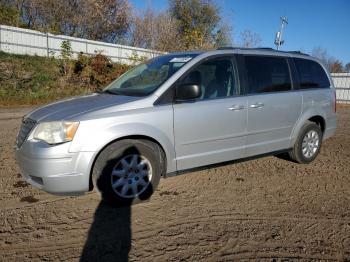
(109, 238)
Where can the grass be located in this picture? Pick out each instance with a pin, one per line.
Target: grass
(30, 80)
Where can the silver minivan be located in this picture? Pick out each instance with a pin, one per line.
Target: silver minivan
(177, 112)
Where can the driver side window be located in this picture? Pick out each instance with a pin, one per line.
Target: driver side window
(215, 77)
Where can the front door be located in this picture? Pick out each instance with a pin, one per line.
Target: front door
(212, 128)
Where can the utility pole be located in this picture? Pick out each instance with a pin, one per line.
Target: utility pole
(278, 40)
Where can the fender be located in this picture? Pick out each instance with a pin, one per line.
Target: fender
(311, 112)
(105, 134)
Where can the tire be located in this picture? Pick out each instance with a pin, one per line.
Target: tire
(128, 171)
(308, 144)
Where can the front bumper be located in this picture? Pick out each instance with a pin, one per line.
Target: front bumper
(53, 169)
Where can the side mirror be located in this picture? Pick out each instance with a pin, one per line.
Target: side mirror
(187, 92)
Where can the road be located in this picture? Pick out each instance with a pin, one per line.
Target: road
(266, 209)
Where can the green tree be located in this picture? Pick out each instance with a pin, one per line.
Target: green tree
(199, 23)
(66, 55)
(9, 15)
(66, 49)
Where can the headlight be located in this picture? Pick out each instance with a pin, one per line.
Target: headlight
(56, 132)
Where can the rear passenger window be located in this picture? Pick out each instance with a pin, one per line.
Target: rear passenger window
(267, 74)
(311, 74)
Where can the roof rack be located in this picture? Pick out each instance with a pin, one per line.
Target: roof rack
(296, 52)
(260, 48)
(245, 48)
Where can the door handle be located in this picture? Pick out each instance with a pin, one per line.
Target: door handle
(257, 105)
(236, 107)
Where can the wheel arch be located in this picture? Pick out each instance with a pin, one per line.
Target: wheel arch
(312, 116)
(320, 121)
(131, 137)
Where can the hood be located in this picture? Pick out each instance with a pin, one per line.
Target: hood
(76, 106)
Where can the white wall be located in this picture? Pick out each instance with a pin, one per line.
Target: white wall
(16, 40)
(342, 85)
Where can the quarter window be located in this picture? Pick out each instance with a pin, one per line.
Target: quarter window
(311, 74)
(267, 74)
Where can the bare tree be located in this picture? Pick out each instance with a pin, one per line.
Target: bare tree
(223, 36)
(347, 68)
(155, 31)
(142, 29)
(322, 54)
(249, 39)
(168, 36)
(106, 20)
(187, 24)
(336, 67)
(332, 64)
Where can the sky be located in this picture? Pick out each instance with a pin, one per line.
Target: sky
(311, 23)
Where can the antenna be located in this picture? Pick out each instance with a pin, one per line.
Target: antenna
(278, 39)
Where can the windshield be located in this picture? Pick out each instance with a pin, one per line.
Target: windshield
(147, 77)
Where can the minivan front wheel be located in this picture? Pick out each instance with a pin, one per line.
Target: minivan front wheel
(308, 143)
(128, 171)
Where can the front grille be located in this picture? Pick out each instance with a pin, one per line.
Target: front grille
(27, 126)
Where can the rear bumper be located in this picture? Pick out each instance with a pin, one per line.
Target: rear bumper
(53, 169)
(331, 126)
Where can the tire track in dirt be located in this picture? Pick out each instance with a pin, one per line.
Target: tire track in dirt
(181, 225)
(266, 209)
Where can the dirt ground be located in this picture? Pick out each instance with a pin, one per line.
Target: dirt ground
(267, 209)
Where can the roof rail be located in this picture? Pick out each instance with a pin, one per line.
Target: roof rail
(298, 52)
(293, 52)
(245, 48)
(260, 48)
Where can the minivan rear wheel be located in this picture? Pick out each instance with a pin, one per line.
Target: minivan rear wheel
(308, 144)
(127, 171)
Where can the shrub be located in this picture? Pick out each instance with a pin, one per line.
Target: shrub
(65, 57)
(35, 80)
(97, 71)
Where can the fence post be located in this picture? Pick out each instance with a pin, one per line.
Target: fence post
(0, 37)
(47, 45)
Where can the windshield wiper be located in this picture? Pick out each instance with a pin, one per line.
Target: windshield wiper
(107, 91)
